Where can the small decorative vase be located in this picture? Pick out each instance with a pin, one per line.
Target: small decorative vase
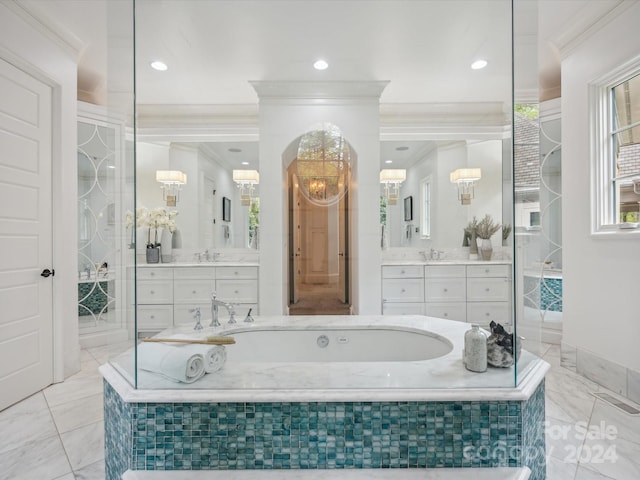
(167, 242)
(486, 250)
(473, 246)
(153, 255)
(475, 349)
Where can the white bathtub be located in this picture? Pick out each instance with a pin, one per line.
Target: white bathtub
(348, 344)
(278, 359)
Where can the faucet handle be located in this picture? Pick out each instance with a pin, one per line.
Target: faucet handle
(196, 315)
(232, 314)
(249, 318)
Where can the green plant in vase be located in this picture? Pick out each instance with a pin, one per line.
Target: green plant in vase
(485, 230)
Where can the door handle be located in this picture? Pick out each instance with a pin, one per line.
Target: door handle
(341, 254)
(297, 254)
(46, 273)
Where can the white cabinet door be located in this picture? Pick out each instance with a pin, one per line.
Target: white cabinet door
(488, 289)
(157, 292)
(403, 290)
(402, 308)
(189, 291)
(483, 313)
(237, 291)
(449, 311)
(445, 290)
(155, 317)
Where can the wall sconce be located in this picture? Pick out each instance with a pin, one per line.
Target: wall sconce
(171, 181)
(465, 179)
(246, 180)
(391, 178)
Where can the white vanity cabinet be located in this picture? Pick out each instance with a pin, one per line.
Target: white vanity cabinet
(403, 290)
(474, 293)
(167, 295)
(488, 294)
(155, 298)
(192, 288)
(445, 291)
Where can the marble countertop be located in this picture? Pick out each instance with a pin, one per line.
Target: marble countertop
(391, 262)
(200, 264)
(440, 379)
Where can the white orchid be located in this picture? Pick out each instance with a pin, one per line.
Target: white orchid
(155, 219)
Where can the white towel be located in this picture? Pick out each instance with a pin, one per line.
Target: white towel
(215, 356)
(175, 363)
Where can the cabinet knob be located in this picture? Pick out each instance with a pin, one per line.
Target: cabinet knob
(152, 317)
(235, 273)
(446, 314)
(446, 290)
(486, 270)
(153, 274)
(235, 291)
(152, 292)
(402, 291)
(486, 314)
(487, 289)
(402, 272)
(193, 292)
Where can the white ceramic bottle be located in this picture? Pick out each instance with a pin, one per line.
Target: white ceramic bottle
(475, 349)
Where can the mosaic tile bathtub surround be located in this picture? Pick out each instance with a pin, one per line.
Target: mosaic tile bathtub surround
(332, 435)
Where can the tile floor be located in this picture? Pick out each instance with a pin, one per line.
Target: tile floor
(58, 433)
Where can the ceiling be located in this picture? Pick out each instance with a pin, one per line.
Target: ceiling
(214, 48)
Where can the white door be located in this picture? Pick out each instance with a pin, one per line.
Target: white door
(26, 321)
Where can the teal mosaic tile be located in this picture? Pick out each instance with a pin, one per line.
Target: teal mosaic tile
(93, 298)
(334, 435)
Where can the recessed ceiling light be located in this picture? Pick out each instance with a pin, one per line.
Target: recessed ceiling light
(245, 163)
(320, 65)
(235, 150)
(158, 65)
(388, 161)
(478, 64)
(402, 149)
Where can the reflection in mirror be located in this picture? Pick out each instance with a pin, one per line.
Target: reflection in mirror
(439, 217)
(201, 229)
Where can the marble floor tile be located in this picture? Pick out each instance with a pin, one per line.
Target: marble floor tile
(106, 352)
(42, 459)
(24, 422)
(587, 474)
(81, 385)
(94, 471)
(84, 445)
(68, 476)
(78, 413)
(559, 470)
(569, 406)
(627, 426)
(613, 457)
(563, 439)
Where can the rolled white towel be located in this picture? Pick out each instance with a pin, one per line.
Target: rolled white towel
(215, 356)
(175, 363)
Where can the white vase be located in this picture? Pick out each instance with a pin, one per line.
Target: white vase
(475, 349)
(486, 249)
(166, 242)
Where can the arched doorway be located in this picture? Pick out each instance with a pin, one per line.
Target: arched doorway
(319, 177)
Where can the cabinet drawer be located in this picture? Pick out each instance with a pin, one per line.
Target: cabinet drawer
(158, 273)
(445, 290)
(389, 308)
(236, 272)
(402, 271)
(483, 313)
(489, 271)
(155, 317)
(204, 273)
(444, 271)
(403, 290)
(449, 311)
(185, 291)
(155, 291)
(488, 289)
(237, 291)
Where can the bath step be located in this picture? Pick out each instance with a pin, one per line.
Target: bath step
(503, 473)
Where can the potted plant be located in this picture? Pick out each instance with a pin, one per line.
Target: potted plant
(485, 229)
(470, 239)
(156, 219)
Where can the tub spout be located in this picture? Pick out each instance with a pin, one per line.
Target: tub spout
(215, 322)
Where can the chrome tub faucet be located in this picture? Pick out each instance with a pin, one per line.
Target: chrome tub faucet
(215, 303)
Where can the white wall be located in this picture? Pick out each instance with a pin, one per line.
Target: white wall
(23, 44)
(600, 272)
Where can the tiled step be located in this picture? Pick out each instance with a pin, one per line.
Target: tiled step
(502, 473)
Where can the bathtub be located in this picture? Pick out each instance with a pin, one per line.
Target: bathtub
(325, 392)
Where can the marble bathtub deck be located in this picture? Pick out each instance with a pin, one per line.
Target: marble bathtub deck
(57, 434)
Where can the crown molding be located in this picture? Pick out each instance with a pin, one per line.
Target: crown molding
(318, 92)
(591, 18)
(61, 36)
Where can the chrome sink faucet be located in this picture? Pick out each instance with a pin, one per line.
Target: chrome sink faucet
(215, 322)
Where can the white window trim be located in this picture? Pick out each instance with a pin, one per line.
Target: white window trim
(425, 180)
(600, 121)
